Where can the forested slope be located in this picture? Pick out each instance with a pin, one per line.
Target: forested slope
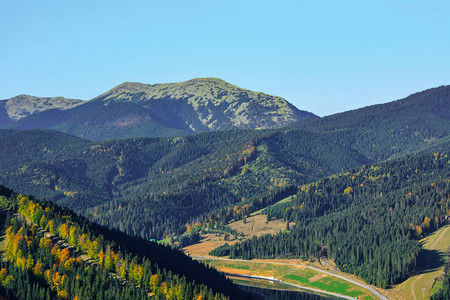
(135, 109)
(367, 220)
(383, 130)
(152, 187)
(123, 267)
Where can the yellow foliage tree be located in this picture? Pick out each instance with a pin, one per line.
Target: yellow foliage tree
(348, 190)
(101, 257)
(63, 231)
(37, 270)
(154, 282)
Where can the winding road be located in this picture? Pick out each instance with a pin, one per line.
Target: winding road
(365, 286)
(291, 284)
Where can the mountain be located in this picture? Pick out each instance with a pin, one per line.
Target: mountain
(21, 106)
(152, 187)
(368, 220)
(383, 130)
(172, 109)
(49, 252)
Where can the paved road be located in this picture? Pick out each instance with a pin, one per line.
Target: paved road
(291, 284)
(365, 286)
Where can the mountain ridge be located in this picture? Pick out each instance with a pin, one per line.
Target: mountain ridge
(171, 180)
(21, 106)
(134, 109)
(416, 120)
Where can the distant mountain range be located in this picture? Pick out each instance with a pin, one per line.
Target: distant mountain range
(154, 186)
(21, 106)
(155, 160)
(398, 127)
(222, 167)
(143, 110)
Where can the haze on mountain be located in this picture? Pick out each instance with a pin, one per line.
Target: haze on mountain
(153, 187)
(172, 109)
(221, 167)
(21, 106)
(398, 127)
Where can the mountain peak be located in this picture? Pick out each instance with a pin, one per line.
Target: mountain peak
(209, 104)
(211, 80)
(138, 86)
(196, 105)
(20, 106)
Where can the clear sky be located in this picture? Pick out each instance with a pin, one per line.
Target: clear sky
(322, 56)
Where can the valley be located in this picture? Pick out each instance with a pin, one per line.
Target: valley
(364, 192)
(225, 150)
(306, 275)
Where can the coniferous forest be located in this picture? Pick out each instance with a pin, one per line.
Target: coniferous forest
(368, 220)
(53, 253)
(361, 188)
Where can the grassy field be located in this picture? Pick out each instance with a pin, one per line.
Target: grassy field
(287, 199)
(263, 284)
(258, 225)
(254, 226)
(294, 274)
(432, 265)
(208, 242)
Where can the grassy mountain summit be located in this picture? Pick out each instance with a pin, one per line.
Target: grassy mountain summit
(211, 104)
(21, 106)
(171, 109)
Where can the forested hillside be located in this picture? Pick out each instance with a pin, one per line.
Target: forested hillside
(368, 220)
(383, 130)
(153, 187)
(39, 265)
(141, 110)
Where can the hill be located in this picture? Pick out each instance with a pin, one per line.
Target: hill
(143, 110)
(383, 130)
(152, 187)
(21, 106)
(368, 220)
(20, 146)
(50, 252)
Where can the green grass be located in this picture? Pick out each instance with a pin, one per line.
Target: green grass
(163, 242)
(437, 286)
(294, 274)
(238, 267)
(265, 284)
(258, 212)
(296, 278)
(327, 284)
(335, 286)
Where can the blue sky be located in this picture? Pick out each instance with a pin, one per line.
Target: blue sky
(322, 56)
